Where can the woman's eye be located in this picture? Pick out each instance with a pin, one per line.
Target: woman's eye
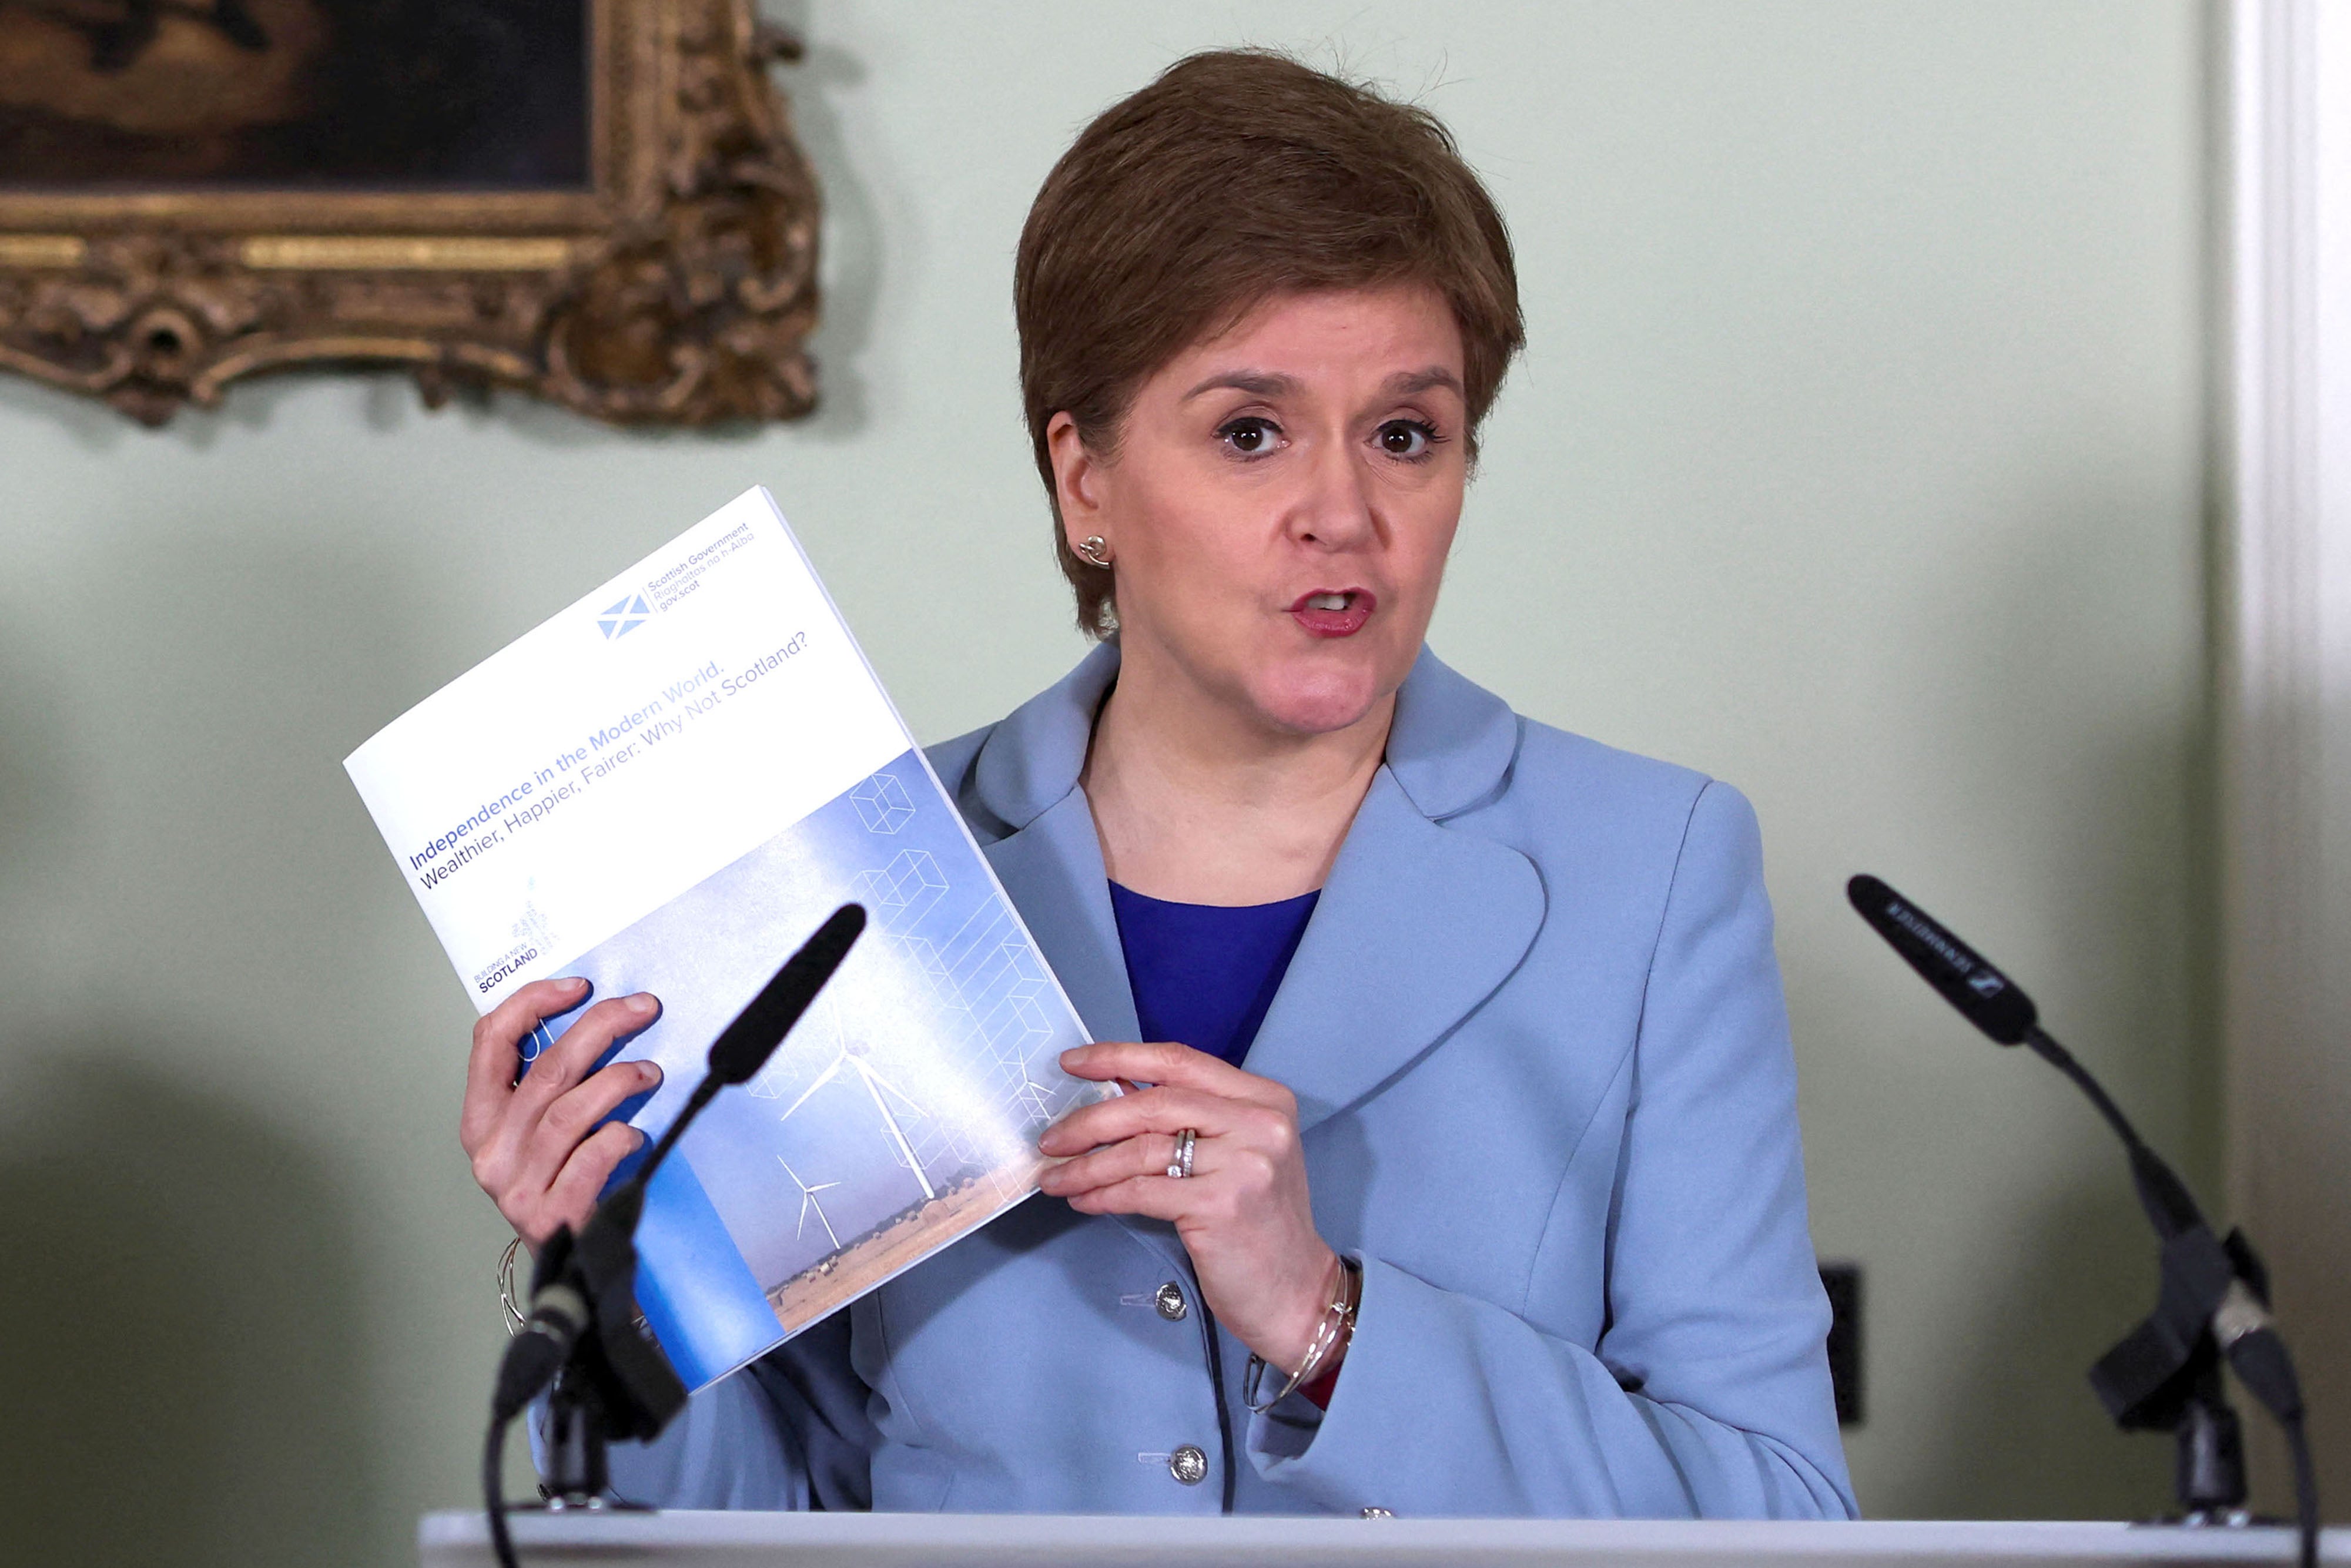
(1250, 437)
(1407, 438)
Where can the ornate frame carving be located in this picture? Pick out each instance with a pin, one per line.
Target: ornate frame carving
(681, 288)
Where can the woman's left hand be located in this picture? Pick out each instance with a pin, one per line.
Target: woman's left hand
(1243, 1214)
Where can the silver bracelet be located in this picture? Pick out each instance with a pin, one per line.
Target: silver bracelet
(514, 1319)
(1337, 1327)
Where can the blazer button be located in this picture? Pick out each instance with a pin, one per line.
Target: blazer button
(1169, 1299)
(1188, 1465)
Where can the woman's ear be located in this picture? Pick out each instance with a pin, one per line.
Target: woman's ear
(1077, 478)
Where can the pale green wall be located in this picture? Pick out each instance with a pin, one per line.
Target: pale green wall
(1856, 459)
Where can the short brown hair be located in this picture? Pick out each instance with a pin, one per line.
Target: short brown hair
(1238, 176)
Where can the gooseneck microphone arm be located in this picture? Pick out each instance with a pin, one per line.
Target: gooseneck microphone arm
(2058, 1057)
(2214, 1296)
(582, 1335)
(2170, 1206)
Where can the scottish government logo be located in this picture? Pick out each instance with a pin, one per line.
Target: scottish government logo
(624, 617)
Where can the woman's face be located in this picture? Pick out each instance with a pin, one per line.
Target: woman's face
(1280, 504)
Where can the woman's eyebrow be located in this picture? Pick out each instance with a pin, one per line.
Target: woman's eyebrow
(1403, 383)
(1268, 385)
(1258, 383)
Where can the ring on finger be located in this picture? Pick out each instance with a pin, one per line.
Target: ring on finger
(1181, 1166)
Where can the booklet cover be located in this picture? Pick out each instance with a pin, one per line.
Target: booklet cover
(666, 787)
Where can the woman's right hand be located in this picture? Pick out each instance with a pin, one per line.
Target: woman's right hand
(531, 1143)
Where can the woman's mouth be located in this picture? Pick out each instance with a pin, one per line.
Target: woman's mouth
(1334, 613)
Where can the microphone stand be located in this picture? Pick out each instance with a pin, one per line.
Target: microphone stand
(614, 1382)
(2165, 1376)
(585, 1335)
(2213, 1302)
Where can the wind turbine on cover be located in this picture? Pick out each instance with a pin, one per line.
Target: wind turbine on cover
(882, 1091)
(809, 1201)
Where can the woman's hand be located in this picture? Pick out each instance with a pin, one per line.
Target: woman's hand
(1243, 1214)
(531, 1143)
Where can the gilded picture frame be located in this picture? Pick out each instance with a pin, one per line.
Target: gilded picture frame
(675, 284)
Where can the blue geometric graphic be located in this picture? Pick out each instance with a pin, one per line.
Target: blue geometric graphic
(897, 897)
(882, 804)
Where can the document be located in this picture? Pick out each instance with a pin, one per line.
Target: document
(666, 787)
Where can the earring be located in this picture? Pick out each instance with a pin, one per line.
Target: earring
(1091, 550)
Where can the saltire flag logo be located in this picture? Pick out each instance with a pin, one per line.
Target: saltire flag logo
(624, 617)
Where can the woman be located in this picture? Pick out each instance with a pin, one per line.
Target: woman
(1474, 1186)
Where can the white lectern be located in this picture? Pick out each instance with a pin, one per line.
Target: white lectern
(1062, 1541)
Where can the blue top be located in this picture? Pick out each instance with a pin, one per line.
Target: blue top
(1204, 974)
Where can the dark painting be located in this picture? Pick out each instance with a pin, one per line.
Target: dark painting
(328, 95)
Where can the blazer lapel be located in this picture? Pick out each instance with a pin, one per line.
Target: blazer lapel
(1051, 864)
(1418, 924)
(1053, 871)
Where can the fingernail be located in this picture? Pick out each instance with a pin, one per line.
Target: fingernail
(572, 982)
(641, 1140)
(649, 1072)
(643, 1002)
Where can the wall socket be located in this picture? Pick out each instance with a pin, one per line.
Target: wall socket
(1842, 1283)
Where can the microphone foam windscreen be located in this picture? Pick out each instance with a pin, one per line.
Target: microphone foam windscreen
(1990, 1000)
(744, 1047)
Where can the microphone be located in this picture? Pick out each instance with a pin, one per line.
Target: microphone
(559, 1315)
(744, 1046)
(1997, 1005)
(2215, 1292)
(1988, 999)
(583, 1334)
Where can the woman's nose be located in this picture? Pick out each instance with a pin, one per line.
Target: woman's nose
(1335, 511)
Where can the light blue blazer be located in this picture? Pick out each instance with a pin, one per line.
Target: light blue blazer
(1543, 1077)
